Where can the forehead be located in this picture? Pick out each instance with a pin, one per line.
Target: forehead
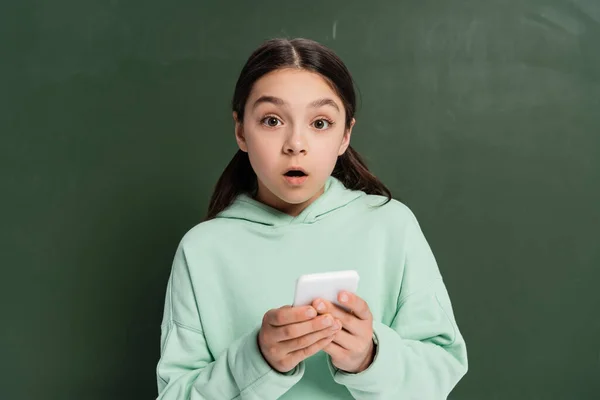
(294, 86)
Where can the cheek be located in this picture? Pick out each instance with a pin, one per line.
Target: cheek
(262, 153)
(331, 148)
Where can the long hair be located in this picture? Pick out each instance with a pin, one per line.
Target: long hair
(350, 168)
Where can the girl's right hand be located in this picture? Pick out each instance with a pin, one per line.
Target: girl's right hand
(289, 335)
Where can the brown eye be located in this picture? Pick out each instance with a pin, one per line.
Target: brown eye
(271, 121)
(321, 124)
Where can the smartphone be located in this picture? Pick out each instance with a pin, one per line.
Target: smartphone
(324, 285)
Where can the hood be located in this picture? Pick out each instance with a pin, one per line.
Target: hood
(335, 196)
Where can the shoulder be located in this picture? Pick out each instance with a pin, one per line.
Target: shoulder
(205, 234)
(392, 211)
(394, 217)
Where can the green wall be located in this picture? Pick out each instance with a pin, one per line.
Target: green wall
(482, 116)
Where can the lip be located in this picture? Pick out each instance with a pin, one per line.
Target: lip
(295, 180)
(295, 168)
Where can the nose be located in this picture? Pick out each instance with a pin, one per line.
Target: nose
(295, 143)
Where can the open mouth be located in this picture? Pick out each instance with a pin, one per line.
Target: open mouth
(295, 176)
(295, 173)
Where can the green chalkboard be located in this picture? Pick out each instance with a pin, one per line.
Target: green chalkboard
(483, 116)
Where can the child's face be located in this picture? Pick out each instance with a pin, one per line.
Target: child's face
(283, 128)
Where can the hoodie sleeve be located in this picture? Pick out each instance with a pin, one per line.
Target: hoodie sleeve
(188, 370)
(422, 353)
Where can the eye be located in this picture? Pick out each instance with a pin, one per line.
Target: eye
(322, 124)
(270, 121)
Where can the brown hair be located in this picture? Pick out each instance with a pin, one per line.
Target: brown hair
(350, 168)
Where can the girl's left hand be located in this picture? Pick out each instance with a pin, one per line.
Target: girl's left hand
(352, 349)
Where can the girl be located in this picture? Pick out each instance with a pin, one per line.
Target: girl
(297, 199)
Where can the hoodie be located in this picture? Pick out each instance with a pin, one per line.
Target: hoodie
(229, 271)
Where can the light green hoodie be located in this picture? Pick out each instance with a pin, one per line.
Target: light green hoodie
(229, 271)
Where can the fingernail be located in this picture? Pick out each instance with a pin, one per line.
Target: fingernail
(344, 297)
(327, 321)
(311, 313)
(320, 306)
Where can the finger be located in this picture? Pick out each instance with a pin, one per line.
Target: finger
(347, 340)
(302, 342)
(349, 321)
(358, 306)
(336, 351)
(291, 331)
(289, 315)
(302, 354)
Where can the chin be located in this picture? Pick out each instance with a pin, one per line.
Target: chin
(296, 198)
(292, 195)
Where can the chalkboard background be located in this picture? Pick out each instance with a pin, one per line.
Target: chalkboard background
(482, 116)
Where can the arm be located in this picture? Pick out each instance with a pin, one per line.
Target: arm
(422, 353)
(187, 369)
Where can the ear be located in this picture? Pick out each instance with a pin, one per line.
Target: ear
(346, 138)
(239, 133)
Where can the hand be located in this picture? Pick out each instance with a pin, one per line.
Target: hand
(352, 349)
(289, 335)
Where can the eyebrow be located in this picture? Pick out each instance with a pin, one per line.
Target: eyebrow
(279, 102)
